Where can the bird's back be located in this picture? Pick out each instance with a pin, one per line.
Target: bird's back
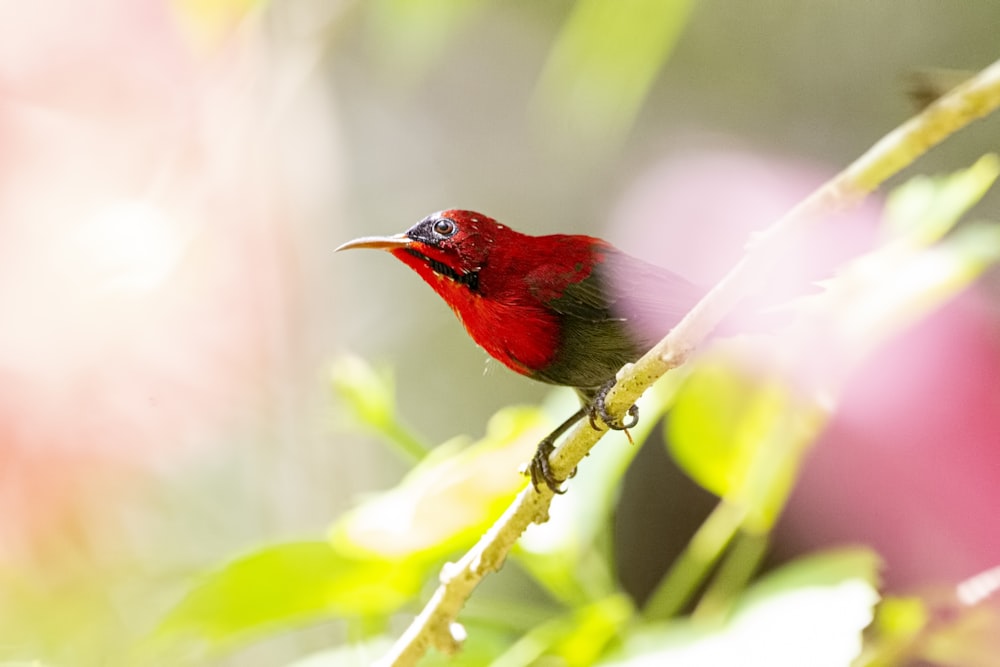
(613, 316)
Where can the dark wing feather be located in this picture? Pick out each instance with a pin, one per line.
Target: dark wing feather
(588, 300)
(612, 317)
(649, 298)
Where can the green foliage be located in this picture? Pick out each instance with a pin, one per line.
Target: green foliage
(926, 208)
(810, 612)
(598, 72)
(743, 419)
(450, 498)
(740, 435)
(604, 62)
(283, 586)
(740, 424)
(413, 34)
(368, 398)
(379, 554)
(569, 555)
(485, 642)
(923, 261)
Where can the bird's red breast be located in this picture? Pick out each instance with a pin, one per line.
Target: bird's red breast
(564, 309)
(504, 307)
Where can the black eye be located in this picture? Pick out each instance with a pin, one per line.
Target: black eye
(445, 227)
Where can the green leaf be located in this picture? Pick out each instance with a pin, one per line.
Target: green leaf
(484, 643)
(604, 62)
(714, 421)
(741, 435)
(810, 612)
(925, 208)
(564, 554)
(450, 498)
(902, 617)
(593, 627)
(881, 293)
(361, 654)
(896, 632)
(282, 586)
(918, 268)
(825, 570)
(578, 638)
(411, 35)
(368, 396)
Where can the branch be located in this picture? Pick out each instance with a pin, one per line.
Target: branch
(436, 625)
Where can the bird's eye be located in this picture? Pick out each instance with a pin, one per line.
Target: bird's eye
(445, 227)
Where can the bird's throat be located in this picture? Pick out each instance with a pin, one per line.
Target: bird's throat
(469, 279)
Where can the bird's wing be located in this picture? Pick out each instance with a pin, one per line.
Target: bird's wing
(587, 299)
(647, 294)
(628, 289)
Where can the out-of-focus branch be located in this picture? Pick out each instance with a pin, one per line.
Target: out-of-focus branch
(437, 625)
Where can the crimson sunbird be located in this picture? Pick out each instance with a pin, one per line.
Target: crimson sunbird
(565, 309)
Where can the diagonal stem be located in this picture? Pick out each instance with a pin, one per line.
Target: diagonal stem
(436, 625)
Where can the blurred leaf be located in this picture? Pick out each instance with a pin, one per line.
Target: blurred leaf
(484, 643)
(936, 628)
(370, 400)
(739, 564)
(695, 563)
(916, 270)
(604, 62)
(898, 625)
(561, 554)
(925, 208)
(577, 638)
(283, 586)
(903, 617)
(884, 291)
(833, 568)
(716, 406)
(450, 498)
(740, 435)
(66, 610)
(413, 34)
(361, 654)
(592, 629)
(810, 612)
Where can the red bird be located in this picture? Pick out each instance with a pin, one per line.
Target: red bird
(564, 309)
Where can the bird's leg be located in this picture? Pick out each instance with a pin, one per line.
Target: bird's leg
(597, 408)
(540, 469)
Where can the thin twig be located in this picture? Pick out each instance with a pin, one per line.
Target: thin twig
(436, 625)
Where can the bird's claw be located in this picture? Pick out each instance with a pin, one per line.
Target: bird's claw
(540, 469)
(598, 408)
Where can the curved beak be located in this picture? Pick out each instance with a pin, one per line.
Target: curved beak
(378, 242)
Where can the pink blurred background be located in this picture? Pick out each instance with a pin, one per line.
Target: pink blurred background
(175, 175)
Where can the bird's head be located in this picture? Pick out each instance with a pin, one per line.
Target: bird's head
(446, 247)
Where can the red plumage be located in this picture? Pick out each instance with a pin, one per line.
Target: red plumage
(564, 309)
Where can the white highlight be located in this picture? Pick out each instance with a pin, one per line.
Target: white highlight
(131, 246)
(975, 589)
(458, 632)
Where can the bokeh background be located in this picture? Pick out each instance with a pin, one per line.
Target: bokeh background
(174, 176)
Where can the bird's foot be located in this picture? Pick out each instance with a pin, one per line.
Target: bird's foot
(540, 469)
(598, 408)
